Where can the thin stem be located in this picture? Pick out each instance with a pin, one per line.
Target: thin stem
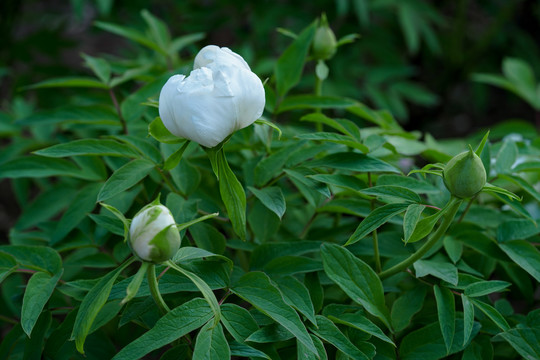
(466, 208)
(318, 92)
(375, 237)
(154, 289)
(118, 111)
(453, 208)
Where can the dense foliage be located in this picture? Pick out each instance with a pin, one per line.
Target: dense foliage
(325, 230)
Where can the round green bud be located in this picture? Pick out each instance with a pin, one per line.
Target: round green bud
(464, 175)
(153, 235)
(324, 44)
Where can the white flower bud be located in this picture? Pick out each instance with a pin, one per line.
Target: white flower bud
(221, 95)
(153, 234)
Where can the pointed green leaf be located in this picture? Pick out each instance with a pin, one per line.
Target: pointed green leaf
(291, 63)
(92, 304)
(335, 138)
(353, 162)
(211, 343)
(446, 309)
(159, 132)
(523, 254)
(125, 177)
(468, 318)
(482, 288)
(442, 270)
(296, 295)
(238, 321)
(178, 322)
(491, 313)
(37, 293)
(374, 220)
(362, 323)
(329, 332)
(356, 278)
(99, 66)
(393, 192)
(271, 197)
(173, 160)
(410, 220)
(99, 147)
(68, 82)
(233, 195)
(256, 288)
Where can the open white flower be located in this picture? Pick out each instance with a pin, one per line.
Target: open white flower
(153, 234)
(221, 95)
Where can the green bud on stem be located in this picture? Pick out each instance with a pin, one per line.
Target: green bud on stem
(324, 42)
(464, 175)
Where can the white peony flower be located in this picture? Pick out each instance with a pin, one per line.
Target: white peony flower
(221, 95)
(153, 234)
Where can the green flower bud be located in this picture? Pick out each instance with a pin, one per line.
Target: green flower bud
(153, 234)
(464, 175)
(324, 44)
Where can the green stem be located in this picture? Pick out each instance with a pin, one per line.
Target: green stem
(453, 208)
(154, 289)
(375, 237)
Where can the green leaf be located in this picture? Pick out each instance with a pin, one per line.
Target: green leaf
(392, 191)
(304, 354)
(130, 34)
(99, 66)
(353, 162)
(290, 64)
(38, 166)
(356, 278)
(346, 181)
(523, 254)
(173, 160)
(37, 293)
(125, 177)
(506, 157)
(522, 183)
(270, 124)
(159, 132)
(256, 288)
(482, 288)
(468, 318)
(296, 295)
(99, 147)
(39, 258)
(336, 124)
(294, 102)
(410, 220)
(442, 270)
(68, 82)
(329, 332)
(34, 346)
(81, 205)
(428, 343)
(374, 220)
(518, 229)
(208, 237)
(525, 340)
(203, 288)
(178, 322)
(409, 182)
(211, 343)
(362, 323)
(243, 350)
(120, 216)
(425, 226)
(232, 194)
(272, 165)
(238, 321)
(492, 313)
(92, 304)
(135, 283)
(408, 19)
(406, 306)
(271, 197)
(335, 138)
(489, 188)
(181, 42)
(157, 29)
(480, 147)
(446, 310)
(301, 175)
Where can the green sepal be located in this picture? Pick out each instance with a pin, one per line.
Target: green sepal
(480, 147)
(120, 216)
(268, 123)
(133, 287)
(490, 188)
